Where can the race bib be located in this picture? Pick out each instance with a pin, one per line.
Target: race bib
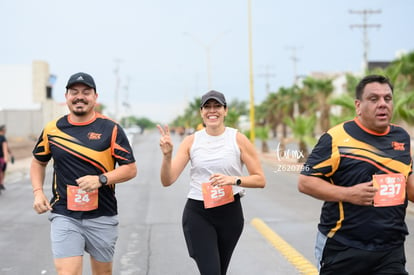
(215, 196)
(391, 189)
(79, 200)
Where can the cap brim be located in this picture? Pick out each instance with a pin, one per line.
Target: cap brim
(212, 97)
(80, 82)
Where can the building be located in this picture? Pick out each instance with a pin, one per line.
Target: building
(27, 99)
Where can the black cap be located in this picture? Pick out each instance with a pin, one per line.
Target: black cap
(219, 97)
(83, 78)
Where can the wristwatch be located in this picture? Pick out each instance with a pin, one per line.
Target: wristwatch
(103, 179)
(237, 181)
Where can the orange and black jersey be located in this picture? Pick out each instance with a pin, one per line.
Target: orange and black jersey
(349, 154)
(80, 149)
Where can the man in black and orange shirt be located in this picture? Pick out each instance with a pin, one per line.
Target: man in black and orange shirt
(91, 154)
(362, 169)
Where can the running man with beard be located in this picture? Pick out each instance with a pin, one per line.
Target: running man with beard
(91, 153)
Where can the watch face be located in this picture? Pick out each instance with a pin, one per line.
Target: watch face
(103, 179)
(238, 181)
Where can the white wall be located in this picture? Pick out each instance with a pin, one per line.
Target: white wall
(16, 87)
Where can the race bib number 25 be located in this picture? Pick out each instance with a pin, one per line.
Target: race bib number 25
(391, 189)
(215, 196)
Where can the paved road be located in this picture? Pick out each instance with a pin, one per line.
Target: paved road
(151, 240)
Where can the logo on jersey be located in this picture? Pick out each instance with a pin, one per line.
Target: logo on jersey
(94, 136)
(398, 146)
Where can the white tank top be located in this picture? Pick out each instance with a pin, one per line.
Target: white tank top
(213, 154)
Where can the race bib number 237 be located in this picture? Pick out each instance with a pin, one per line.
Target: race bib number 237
(391, 189)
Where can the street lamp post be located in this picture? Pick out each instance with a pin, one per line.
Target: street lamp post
(252, 118)
(207, 48)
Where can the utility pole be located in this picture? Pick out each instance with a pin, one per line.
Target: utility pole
(126, 104)
(117, 85)
(267, 75)
(365, 26)
(295, 60)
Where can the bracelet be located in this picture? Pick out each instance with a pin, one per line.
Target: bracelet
(37, 189)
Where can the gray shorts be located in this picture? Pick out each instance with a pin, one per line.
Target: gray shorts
(71, 237)
(319, 247)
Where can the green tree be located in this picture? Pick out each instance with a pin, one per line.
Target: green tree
(321, 89)
(404, 67)
(302, 128)
(232, 118)
(262, 133)
(268, 112)
(191, 117)
(401, 74)
(347, 111)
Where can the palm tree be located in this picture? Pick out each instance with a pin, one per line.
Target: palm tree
(404, 108)
(232, 118)
(302, 128)
(401, 73)
(405, 67)
(321, 89)
(347, 104)
(270, 110)
(288, 98)
(262, 133)
(191, 117)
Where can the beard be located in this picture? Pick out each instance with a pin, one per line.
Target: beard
(79, 112)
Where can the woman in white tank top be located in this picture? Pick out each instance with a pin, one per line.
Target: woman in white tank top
(213, 217)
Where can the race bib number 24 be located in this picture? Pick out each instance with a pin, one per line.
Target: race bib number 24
(79, 200)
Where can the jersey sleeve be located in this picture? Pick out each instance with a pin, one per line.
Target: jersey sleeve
(121, 148)
(323, 160)
(41, 151)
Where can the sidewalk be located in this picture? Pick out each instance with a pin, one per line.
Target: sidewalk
(18, 170)
(21, 149)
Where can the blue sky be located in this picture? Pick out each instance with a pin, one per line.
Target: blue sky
(161, 68)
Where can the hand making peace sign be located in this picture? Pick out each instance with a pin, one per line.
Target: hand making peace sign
(165, 141)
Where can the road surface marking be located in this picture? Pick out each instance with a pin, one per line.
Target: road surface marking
(292, 255)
